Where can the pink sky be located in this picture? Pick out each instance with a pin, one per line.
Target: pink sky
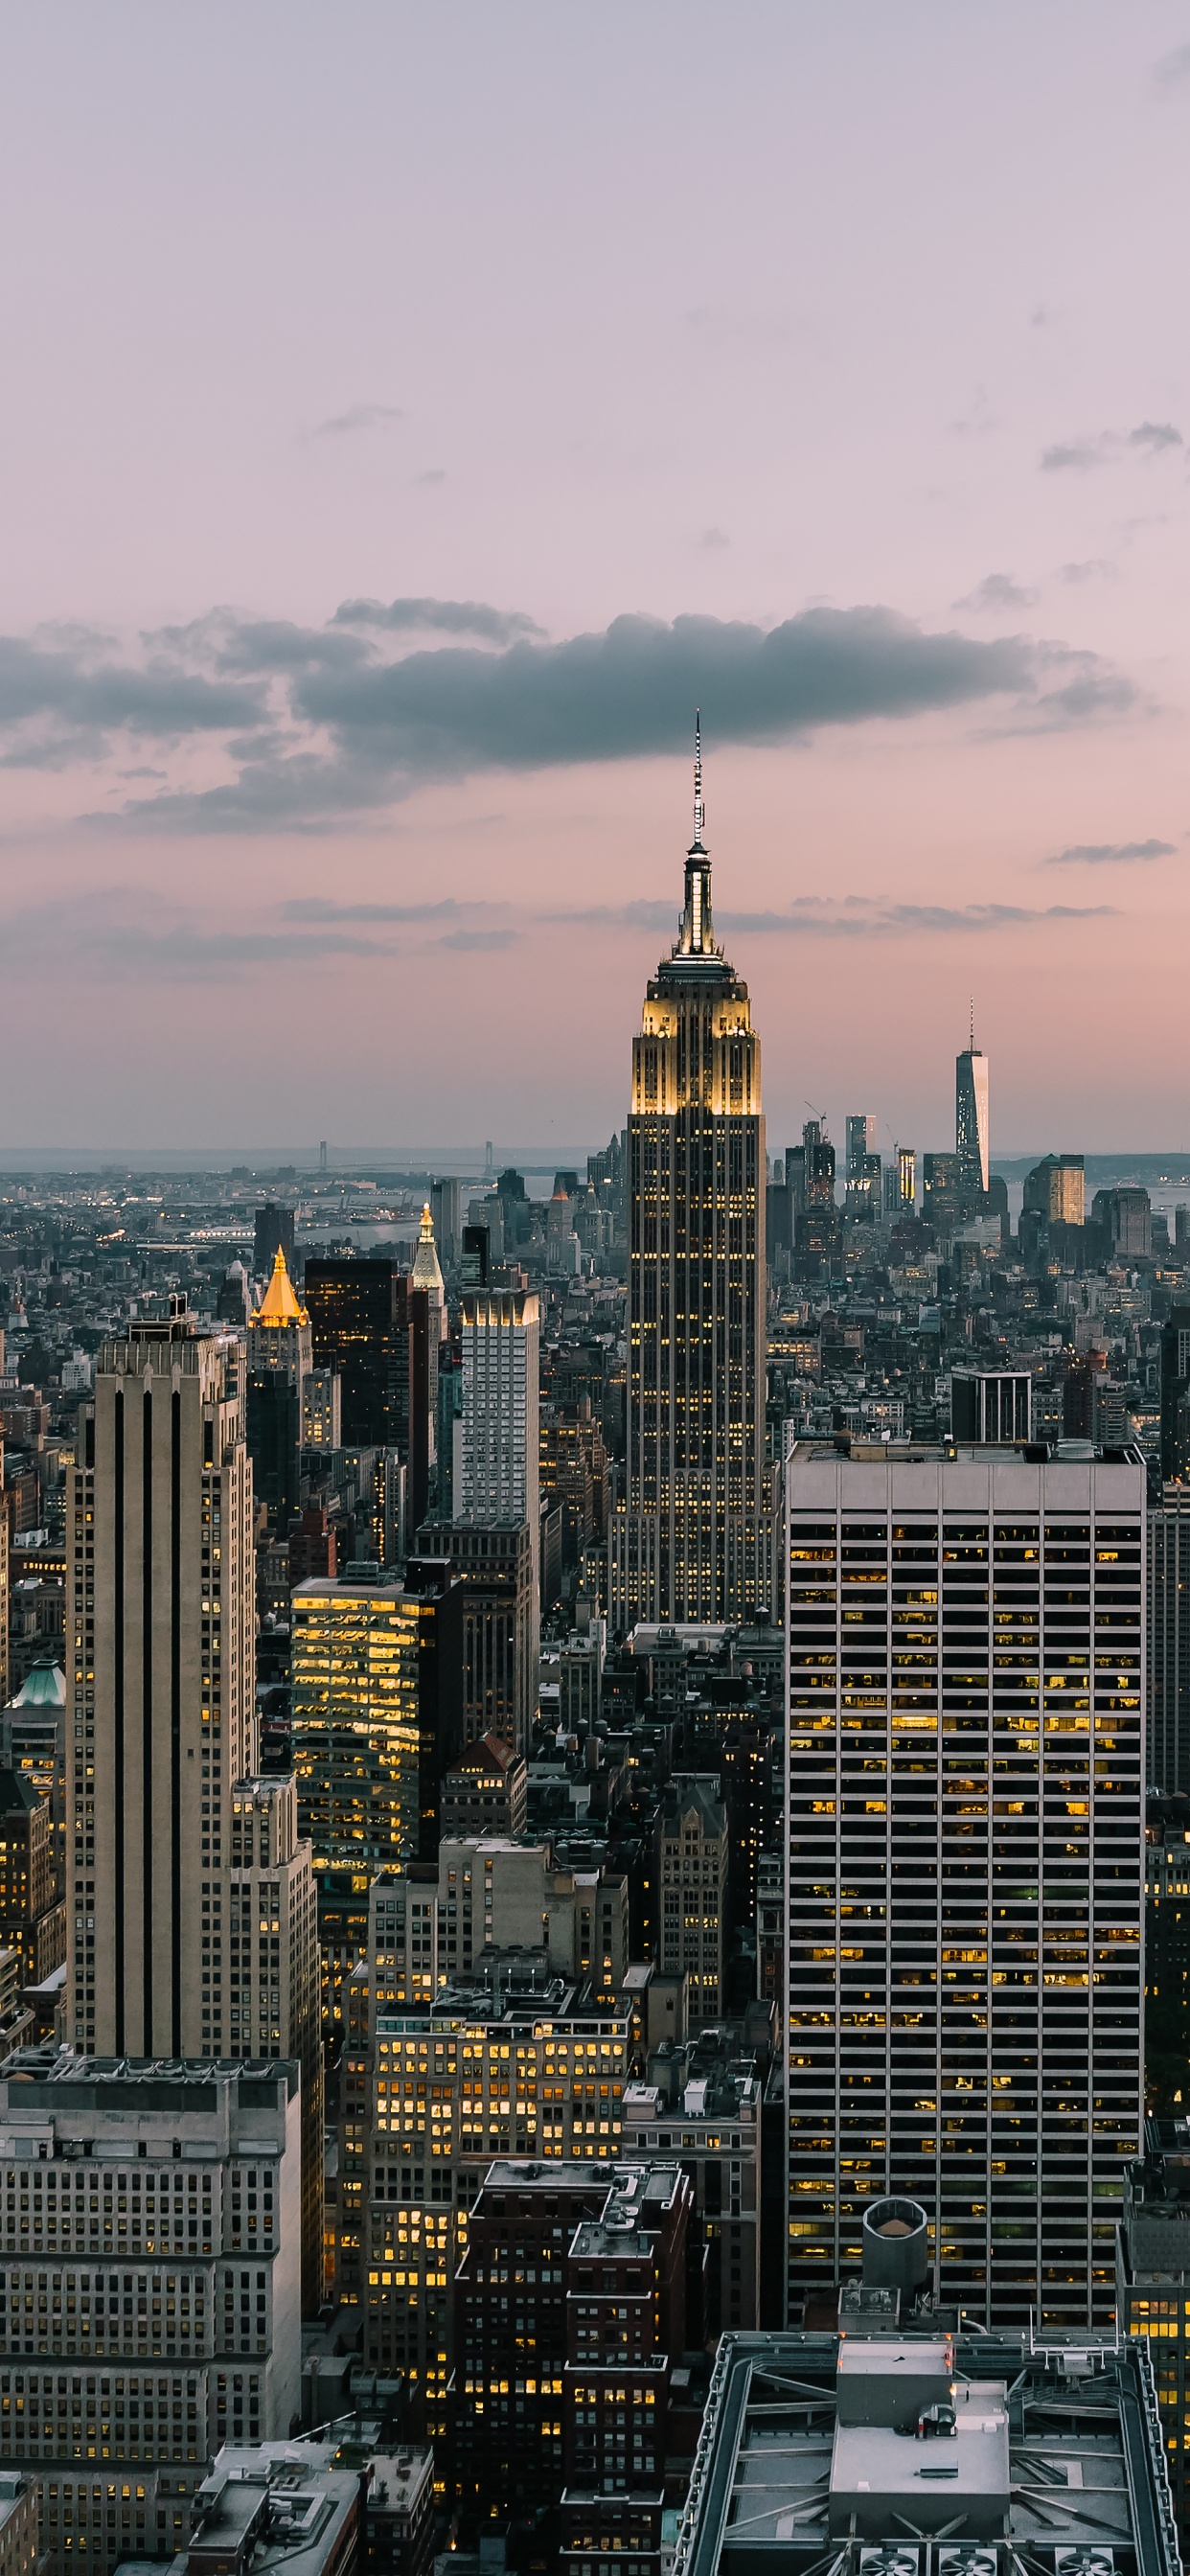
(679, 313)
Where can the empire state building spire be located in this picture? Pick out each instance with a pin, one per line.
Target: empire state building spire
(697, 936)
(692, 1536)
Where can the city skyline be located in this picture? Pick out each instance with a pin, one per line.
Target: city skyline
(387, 714)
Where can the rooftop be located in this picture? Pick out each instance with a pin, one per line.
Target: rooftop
(863, 2456)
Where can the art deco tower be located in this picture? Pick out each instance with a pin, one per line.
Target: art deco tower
(690, 1540)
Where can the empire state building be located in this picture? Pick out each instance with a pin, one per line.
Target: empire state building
(690, 1539)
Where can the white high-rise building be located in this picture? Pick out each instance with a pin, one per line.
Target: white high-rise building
(190, 1902)
(965, 1882)
(497, 1436)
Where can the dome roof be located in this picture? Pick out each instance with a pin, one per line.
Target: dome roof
(45, 1686)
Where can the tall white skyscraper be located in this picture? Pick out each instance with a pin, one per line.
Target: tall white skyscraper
(498, 1440)
(690, 1540)
(190, 1901)
(971, 1114)
(965, 1867)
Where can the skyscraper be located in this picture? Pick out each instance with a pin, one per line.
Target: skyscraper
(965, 1871)
(355, 1321)
(971, 1114)
(163, 1871)
(278, 1367)
(689, 1537)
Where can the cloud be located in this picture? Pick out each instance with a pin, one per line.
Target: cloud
(308, 725)
(1156, 435)
(1096, 568)
(1109, 853)
(1173, 71)
(1077, 456)
(120, 935)
(437, 617)
(849, 917)
(359, 416)
(998, 590)
(316, 908)
(478, 939)
(436, 474)
(1081, 455)
(713, 539)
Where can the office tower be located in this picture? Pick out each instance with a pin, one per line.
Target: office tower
(861, 1141)
(770, 1928)
(424, 1304)
(160, 1619)
(991, 1405)
(485, 1791)
(1056, 1189)
(450, 1410)
(701, 2101)
(476, 1256)
(1175, 1395)
(524, 2064)
(964, 1771)
(1127, 1218)
(160, 2209)
(497, 1568)
(377, 1719)
(692, 1858)
(161, 1624)
(279, 1362)
(1167, 1699)
(355, 1327)
(598, 2337)
(946, 1198)
(971, 1114)
(492, 1894)
(233, 1305)
(818, 1165)
(498, 1473)
(446, 1203)
(689, 1540)
(32, 1912)
(272, 1234)
(322, 1415)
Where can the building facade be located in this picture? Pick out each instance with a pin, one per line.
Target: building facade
(692, 1864)
(688, 1538)
(151, 2278)
(161, 1708)
(1167, 1748)
(964, 1868)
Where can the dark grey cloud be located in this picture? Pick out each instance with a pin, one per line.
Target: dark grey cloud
(996, 592)
(62, 699)
(1082, 455)
(1109, 853)
(1173, 71)
(437, 617)
(358, 416)
(318, 723)
(1076, 455)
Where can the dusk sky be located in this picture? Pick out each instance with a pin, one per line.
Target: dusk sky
(409, 414)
